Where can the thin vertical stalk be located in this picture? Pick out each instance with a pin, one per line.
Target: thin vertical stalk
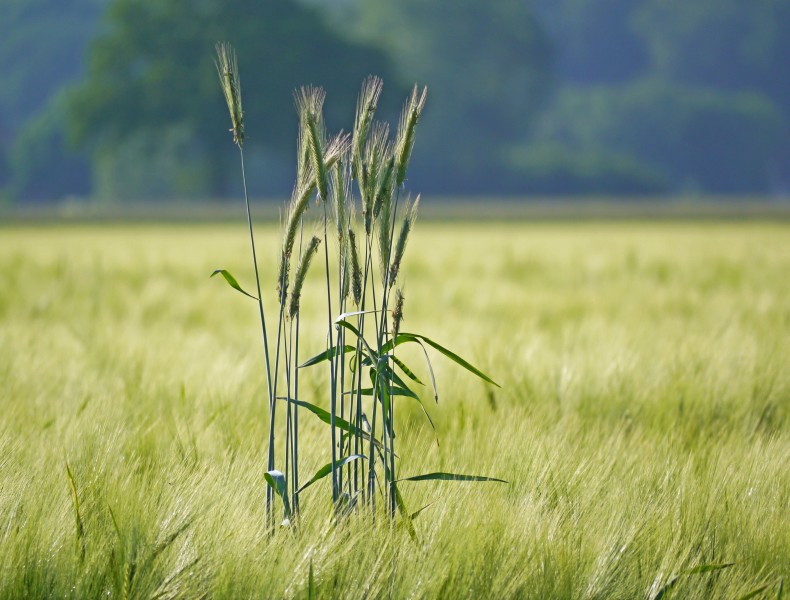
(372, 457)
(361, 329)
(273, 408)
(332, 382)
(269, 491)
(381, 339)
(295, 456)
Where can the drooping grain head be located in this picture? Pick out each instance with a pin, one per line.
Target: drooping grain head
(366, 109)
(336, 150)
(382, 210)
(228, 71)
(301, 274)
(384, 188)
(341, 203)
(356, 270)
(403, 237)
(397, 313)
(339, 194)
(309, 105)
(316, 146)
(406, 131)
(377, 153)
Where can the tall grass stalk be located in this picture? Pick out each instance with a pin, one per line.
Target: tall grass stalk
(325, 169)
(227, 68)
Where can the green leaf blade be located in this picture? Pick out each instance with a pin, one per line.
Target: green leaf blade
(326, 355)
(327, 468)
(232, 282)
(416, 337)
(442, 476)
(276, 481)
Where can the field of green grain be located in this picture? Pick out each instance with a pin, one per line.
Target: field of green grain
(643, 421)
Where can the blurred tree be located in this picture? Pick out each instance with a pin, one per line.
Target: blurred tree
(695, 137)
(152, 83)
(595, 40)
(725, 44)
(728, 45)
(41, 47)
(41, 165)
(488, 70)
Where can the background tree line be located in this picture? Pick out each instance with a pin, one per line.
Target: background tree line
(117, 99)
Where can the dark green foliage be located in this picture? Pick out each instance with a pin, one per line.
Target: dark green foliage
(152, 71)
(652, 132)
(41, 51)
(487, 66)
(232, 281)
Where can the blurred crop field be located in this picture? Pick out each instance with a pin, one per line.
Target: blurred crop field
(643, 420)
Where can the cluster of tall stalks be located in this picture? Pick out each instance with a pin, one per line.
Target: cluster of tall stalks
(366, 217)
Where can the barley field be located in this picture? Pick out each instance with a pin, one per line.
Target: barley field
(643, 422)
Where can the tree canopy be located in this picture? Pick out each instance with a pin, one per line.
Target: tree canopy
(548, 96)
(151, 74)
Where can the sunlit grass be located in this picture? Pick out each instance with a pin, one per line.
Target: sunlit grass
(643, 420)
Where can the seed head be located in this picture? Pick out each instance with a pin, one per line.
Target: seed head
(403, 237)
(366, 108)
(356, 271)
(397, 313)
(301, 273)
(377, 153)
(406, 130)
(228, 71)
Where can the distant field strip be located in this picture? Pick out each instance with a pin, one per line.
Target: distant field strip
(643, 421)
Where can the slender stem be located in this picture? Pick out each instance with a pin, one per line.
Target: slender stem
(288, 422)
(295, 476)
(269, 491)
(333, 387)
(273, 406)
(361, 329)
(338, 358)
(388, 285)
(372, 456)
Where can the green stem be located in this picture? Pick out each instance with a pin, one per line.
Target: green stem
(332, 382)
(269, 491)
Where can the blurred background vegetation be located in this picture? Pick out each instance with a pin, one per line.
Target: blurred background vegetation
(117, 100)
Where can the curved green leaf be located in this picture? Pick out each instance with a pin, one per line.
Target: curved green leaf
(355, 331)
(408, 372)
(707, 568)
(232, 281)
(416, 337)
(394, 391)
(327, 469)
(416, 513)
(430, 372)
(276, 481)
(755, 592)
(388, 373)
(342, 317)
(407, 519)
(326, 355)
(439, 476)
(340, 423)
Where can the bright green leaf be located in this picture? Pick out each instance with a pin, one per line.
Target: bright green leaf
(232, 281)
(450, 477)
(327, 469)
(276, 481)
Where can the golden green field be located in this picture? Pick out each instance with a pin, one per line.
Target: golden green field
(643, 421)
